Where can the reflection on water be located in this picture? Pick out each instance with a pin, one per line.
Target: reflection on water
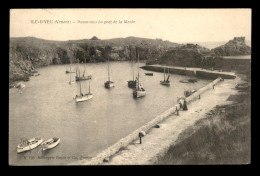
(46, 109)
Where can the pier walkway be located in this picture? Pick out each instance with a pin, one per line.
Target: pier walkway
(198, 72)
(129, 151)
(158, 140)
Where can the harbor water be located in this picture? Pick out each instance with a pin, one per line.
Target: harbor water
(46, 109)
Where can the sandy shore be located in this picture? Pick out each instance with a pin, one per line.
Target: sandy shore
(158, 140)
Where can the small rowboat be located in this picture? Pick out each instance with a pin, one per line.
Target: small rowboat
(50, 143)
(28, 144)
(149, 74)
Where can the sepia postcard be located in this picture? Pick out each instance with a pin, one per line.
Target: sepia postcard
(125, 86)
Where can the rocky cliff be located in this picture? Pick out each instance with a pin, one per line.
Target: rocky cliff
(189, 55)
(234, 47)
(194, 55)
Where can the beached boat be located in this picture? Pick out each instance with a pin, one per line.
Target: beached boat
(166, 81)
(109, 84)
(139, 91)
(83, 77)
(83, 97)
(50, 143)
(26, 145)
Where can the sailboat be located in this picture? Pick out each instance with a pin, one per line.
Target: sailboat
(132, 83)
(71, 82)
(166, 82)
(81, 78)
(83, 97)
(69, 71)
(139, 91)
(109, 84)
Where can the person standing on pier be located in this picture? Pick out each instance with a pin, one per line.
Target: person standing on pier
(185, 108)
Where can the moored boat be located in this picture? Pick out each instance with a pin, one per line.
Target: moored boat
(166, 81)
(78, 77)
(26, 145)
(149, 74)
(139, 91)
(50, 143)
(132, 83)
(69, 71)
(109, 84)
(83, 97)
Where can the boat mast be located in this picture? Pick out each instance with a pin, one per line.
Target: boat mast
(132, 64)
(138, 67)
(89, 87)
(77, 70)
(70, 66)
(70, 77)
(164, 72)
(84, 67)
(108, 70)
(133, 71)
(167, 80)
(80, 84)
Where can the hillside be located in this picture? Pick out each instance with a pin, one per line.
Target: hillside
(29, 53)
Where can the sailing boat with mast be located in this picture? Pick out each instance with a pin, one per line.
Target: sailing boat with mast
(69, 71)
(109, 84)
(132, 83)
(166, 82)
(71, 82)
(81, 78)
(83, 97)
(139, 91)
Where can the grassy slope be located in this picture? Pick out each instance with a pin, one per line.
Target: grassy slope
(224, 137)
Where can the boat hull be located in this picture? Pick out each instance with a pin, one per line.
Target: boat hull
(109, 84)
(149, 74)
(138, 94)
(35, 142)
(83, 98)
(165, 83)
(50, 146)
(83, 78)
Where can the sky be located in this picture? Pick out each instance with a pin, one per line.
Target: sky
(175, 25)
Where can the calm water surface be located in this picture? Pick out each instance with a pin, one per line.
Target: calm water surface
(46, 109)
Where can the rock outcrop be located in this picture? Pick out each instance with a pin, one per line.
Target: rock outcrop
(234, 47)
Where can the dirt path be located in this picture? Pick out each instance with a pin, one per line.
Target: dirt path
(158, 140)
